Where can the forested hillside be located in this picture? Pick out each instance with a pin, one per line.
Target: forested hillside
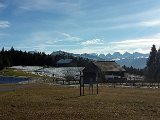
(14, 57)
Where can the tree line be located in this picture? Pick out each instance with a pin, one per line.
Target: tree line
(135, 71)
(14, 57)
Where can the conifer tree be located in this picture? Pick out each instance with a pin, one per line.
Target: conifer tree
(157, 74)
(151, 65)
(1, 63)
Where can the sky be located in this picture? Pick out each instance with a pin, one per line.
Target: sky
(80, 26)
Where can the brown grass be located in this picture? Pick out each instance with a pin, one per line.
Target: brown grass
(46, 102)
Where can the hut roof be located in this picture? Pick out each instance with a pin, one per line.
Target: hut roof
(64, 61)
(109, 66)
(90, 67)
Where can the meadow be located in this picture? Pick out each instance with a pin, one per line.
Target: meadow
(49, 102)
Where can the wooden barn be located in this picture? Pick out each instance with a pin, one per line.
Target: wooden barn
(66, 63)
(110, 69)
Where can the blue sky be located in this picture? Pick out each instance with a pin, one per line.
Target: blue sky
(80, 26)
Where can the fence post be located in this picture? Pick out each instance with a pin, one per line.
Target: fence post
(80, 84)
(97, 82)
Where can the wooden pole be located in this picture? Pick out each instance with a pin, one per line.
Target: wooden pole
(97, 82)
(89, 87)
(92, 88)
(80, 84)
(83, 87)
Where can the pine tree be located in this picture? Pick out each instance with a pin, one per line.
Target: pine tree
(1, 63)
(151, 65)
(157, 74)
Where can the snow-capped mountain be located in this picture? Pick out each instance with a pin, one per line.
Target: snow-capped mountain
(136, 59)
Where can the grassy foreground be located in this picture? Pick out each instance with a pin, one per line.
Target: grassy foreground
(46, 102)
(17, 73)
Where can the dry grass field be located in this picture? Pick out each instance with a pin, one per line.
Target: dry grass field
(48, 102)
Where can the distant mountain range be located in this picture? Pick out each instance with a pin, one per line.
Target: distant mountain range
(136, 60)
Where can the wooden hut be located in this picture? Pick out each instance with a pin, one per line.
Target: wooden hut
(110, 69)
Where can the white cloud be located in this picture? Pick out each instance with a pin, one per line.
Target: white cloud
(48, 41)
(51, 40)
(139, 42)
(92, 42)
(147, 18)
(69, 37)
(4, 24)
(43, 37)
(151, 23)
(51, 37)
(137, 45)
(142, 45)
(150, 15)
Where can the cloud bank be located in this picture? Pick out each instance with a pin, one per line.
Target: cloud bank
(92, 42)
(4, 24)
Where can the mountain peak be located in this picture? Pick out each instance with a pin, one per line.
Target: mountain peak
(126, 53)
(60, 52)
(117, 55)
